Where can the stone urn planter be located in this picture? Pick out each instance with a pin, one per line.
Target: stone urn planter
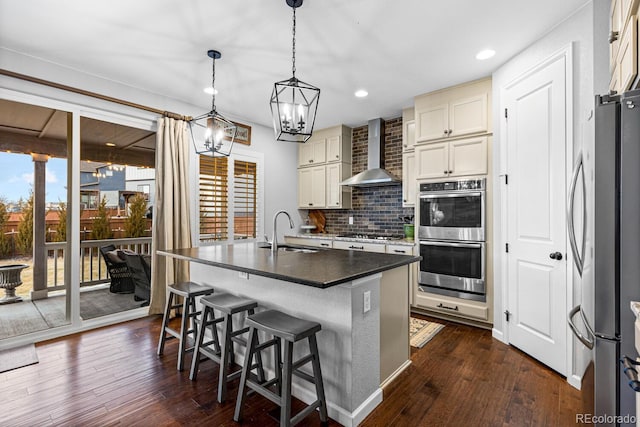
(9, 281)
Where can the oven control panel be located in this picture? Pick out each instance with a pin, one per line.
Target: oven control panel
(467, 184)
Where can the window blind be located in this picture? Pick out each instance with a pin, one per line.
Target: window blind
(244, 200)
(214, 206)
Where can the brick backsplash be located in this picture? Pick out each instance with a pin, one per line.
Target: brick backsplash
(374, 209)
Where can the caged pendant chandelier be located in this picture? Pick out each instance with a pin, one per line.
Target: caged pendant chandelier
(293, 102)
(214, 134)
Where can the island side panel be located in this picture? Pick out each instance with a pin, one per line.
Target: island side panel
(348, 340)
(395, 350)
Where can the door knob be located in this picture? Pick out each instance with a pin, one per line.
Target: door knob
(555, 255)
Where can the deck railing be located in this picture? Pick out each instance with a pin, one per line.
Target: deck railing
(92, 267)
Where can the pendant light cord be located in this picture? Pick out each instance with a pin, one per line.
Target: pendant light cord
(293, 62)
(213, 85)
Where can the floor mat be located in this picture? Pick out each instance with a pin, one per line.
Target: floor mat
(421, 331)
(15, 358)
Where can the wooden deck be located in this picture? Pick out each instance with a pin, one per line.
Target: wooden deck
(32, 316)
(112, 376)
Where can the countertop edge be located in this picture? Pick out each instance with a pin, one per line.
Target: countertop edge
(323, 285)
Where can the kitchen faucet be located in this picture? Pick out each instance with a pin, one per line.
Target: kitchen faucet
(274, 240)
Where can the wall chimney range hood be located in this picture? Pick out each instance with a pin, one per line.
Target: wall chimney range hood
(375, 175)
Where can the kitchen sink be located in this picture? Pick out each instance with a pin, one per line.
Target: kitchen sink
(290, 248)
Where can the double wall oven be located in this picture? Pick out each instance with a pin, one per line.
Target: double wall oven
(451, 232)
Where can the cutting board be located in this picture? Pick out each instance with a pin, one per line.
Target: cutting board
(317, 218)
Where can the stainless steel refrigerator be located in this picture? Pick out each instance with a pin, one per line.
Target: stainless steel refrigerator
(616, 251)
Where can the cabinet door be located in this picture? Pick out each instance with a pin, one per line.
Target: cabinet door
(318, 186)
(334, 149)
(468, 156)
(615, 34)
(408, 179)
(432, 160)
(614, 84)
(468, 115)
(305, 154)
(305, 188)
(319, 151)
(628, 55)
(334, 189)
(408, 135)
(432, 123)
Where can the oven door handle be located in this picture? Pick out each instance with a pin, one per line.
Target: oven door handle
(454, 245)
(449, 195)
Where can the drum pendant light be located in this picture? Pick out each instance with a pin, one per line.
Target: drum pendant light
(293, 102)
(214, 134)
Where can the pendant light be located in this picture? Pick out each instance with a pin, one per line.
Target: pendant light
(293, 102)
(214, 134)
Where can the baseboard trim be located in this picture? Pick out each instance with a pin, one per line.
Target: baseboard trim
(395, 374)
(335, 412)
(497, 334)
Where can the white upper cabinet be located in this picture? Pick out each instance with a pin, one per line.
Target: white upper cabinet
(409, 179)
(326, 146)
(312, 152)
(408, 135)
(323, 162)
(460, 157)
(454, 112)
(623, 44)
(311, 187)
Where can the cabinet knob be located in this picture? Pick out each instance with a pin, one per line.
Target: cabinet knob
(450, 131)
(446, 172)
(337, 157)
(404, 200)
(446, 132)
(311, 161)
(310, 204)
(450, 172)
(613, 36)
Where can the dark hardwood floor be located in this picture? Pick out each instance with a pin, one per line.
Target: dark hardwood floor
(112, 376)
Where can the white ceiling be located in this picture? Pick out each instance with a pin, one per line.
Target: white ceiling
(394, 49)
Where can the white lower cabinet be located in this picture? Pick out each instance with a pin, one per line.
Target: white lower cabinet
(359, 246)
(316, 243)
(451, 306)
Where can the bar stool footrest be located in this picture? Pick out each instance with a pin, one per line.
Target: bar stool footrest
(306, 411)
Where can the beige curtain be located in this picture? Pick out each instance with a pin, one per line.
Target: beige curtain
(171, 224)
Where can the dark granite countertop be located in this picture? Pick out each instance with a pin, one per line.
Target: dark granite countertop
(322, 269)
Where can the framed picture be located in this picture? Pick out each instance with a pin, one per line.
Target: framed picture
(243, 134)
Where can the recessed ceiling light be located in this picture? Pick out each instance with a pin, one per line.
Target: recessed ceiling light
(361, 93)
(210, 91)
(110, 144)
(485, 54)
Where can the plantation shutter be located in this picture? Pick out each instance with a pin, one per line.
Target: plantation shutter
(214, 211)
(244, 200)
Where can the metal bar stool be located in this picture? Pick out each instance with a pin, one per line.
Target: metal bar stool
(287, 329)
(222, 351)
(188, 291)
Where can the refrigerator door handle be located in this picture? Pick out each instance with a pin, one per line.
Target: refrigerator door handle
(589, 341)
(578, 255)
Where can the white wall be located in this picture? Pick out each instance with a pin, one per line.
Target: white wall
(578, 31)
(280, 158)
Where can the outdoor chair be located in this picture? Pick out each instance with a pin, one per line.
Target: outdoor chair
(140, 268)
(121, 282)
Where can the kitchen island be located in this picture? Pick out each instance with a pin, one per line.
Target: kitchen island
(361, 300)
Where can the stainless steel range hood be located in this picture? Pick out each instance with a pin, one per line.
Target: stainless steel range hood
(375, 175)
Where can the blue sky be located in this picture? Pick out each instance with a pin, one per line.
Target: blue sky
(16, 177)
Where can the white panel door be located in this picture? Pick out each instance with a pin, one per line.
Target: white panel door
(536, 191)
